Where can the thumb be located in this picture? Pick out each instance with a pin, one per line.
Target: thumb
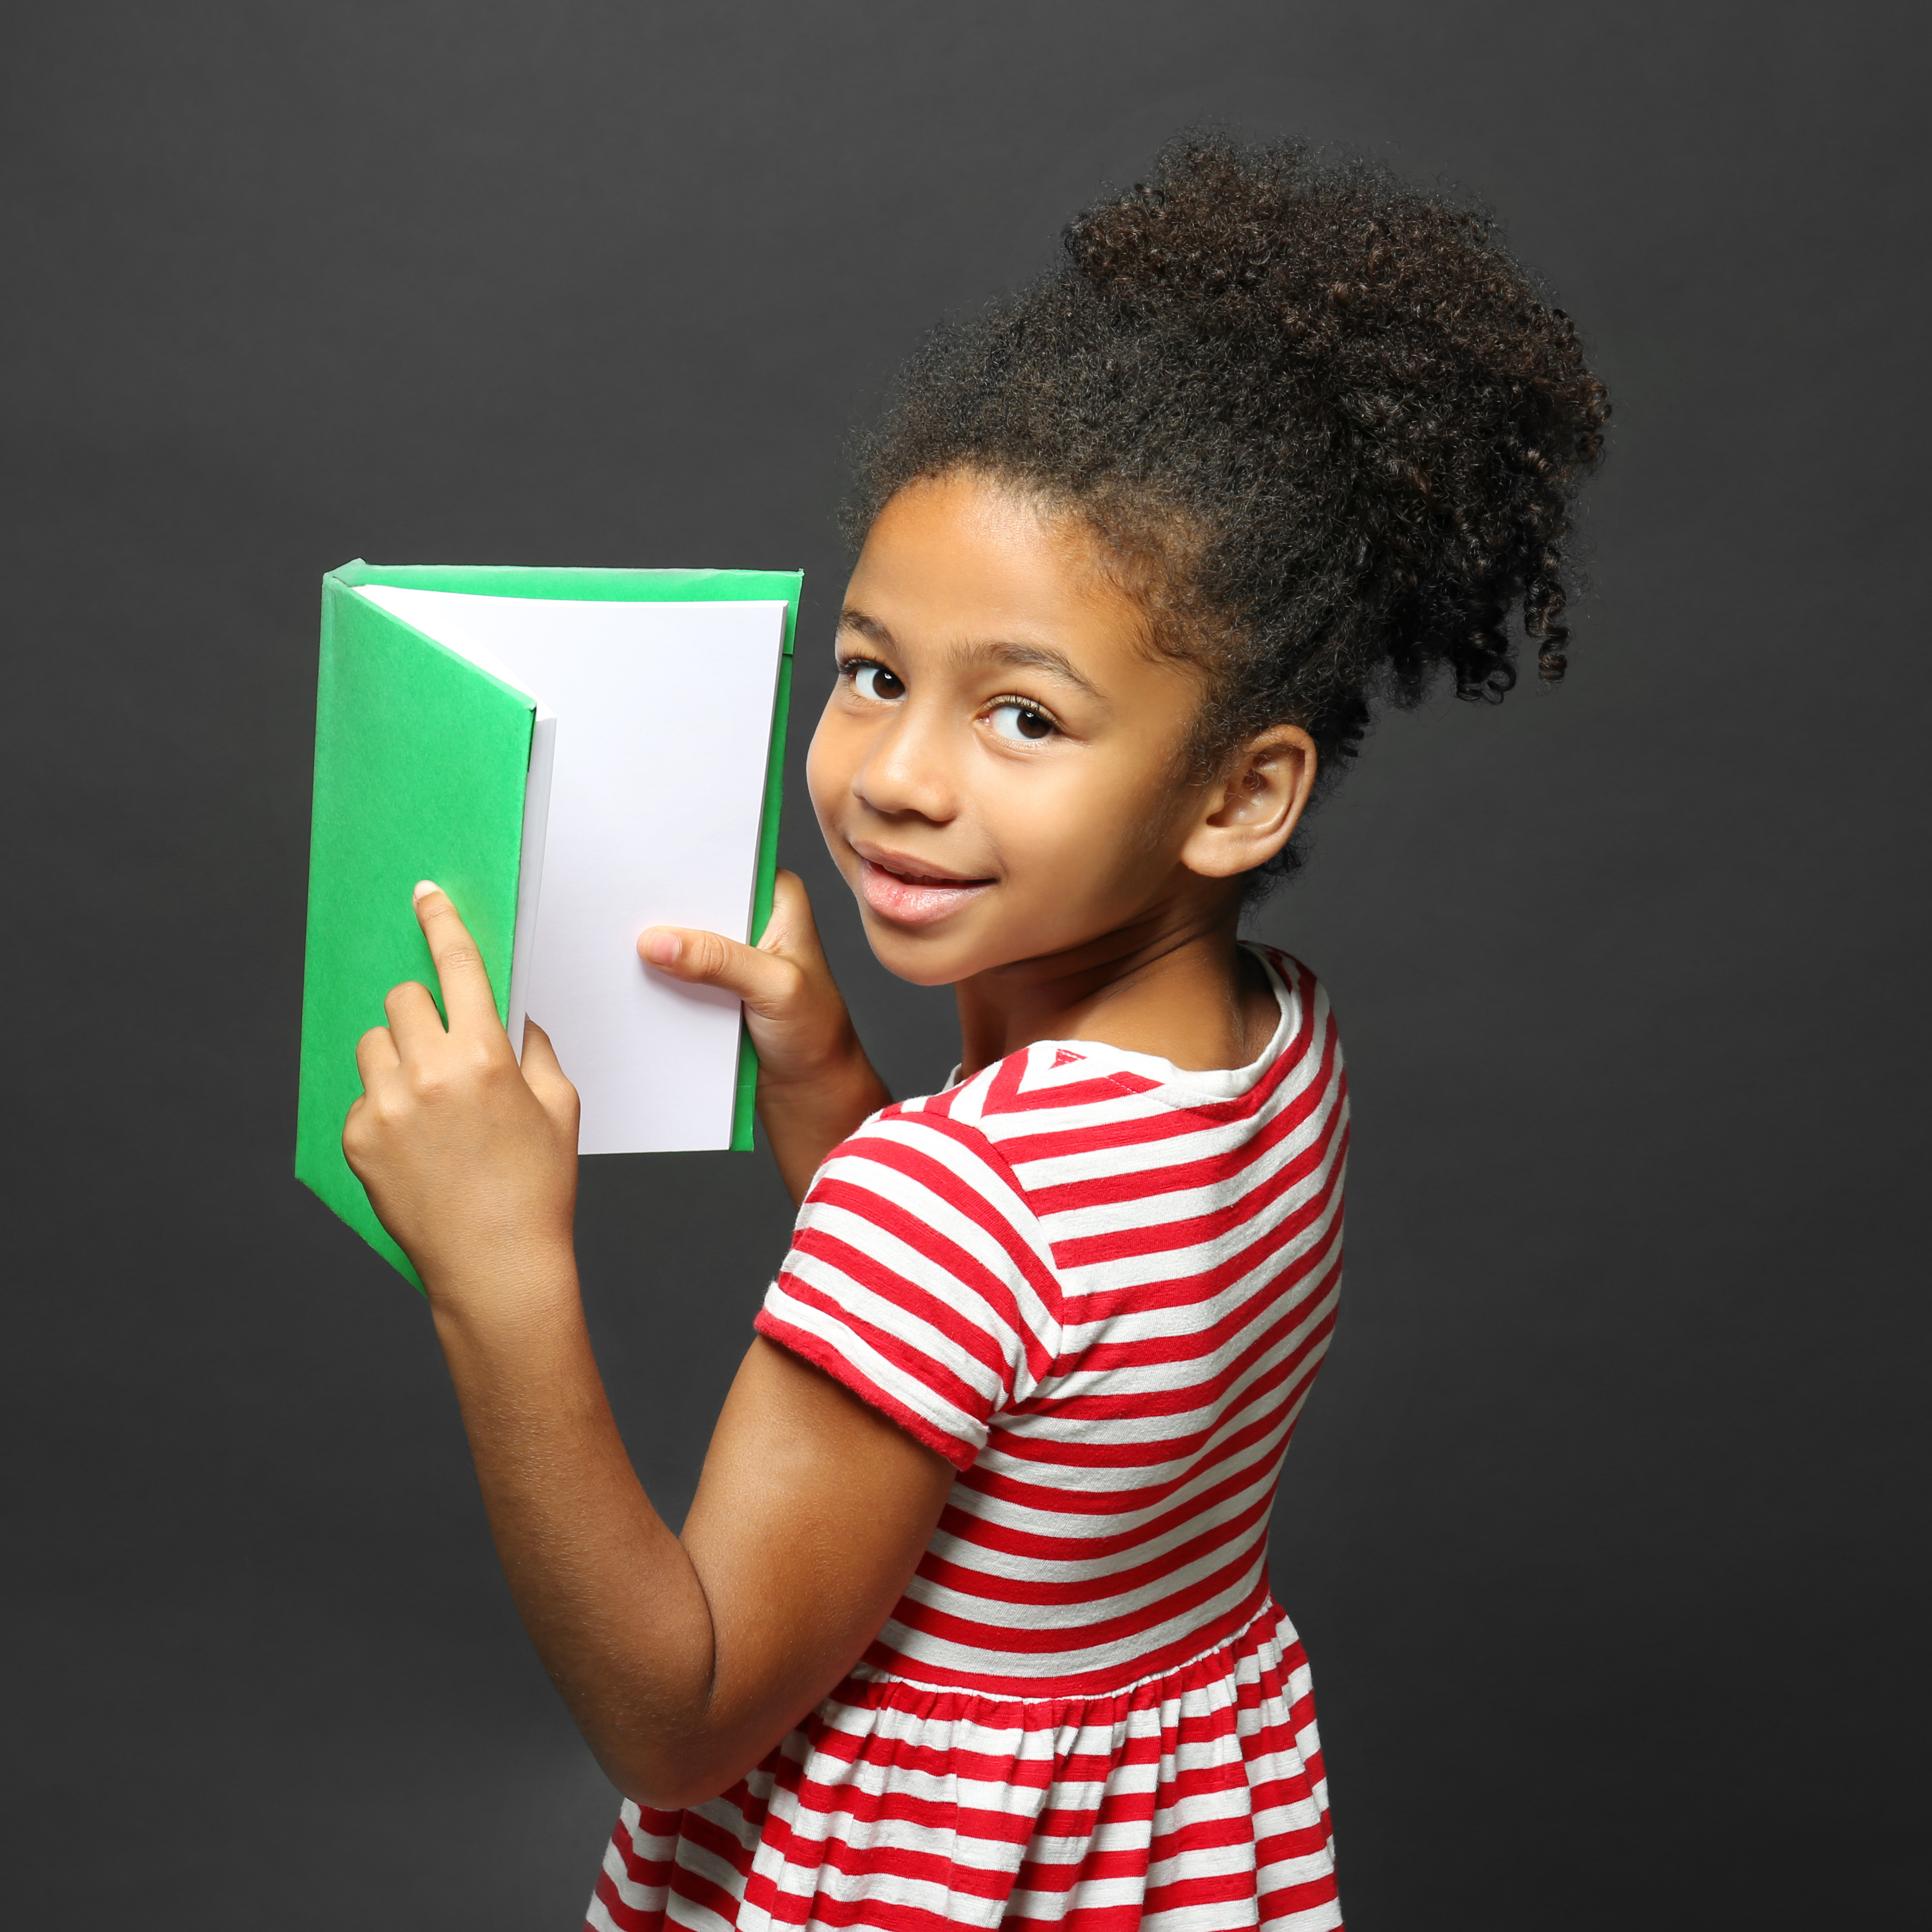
(701, 958)
(791, 931)
(546, 1078)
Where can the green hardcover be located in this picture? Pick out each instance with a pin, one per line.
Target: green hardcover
(420, 761)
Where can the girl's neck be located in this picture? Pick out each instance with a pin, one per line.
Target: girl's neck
(1177, 986)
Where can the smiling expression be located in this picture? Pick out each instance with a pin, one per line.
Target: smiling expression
(994, 772)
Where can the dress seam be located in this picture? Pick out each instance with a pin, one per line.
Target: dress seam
(1269, 1607)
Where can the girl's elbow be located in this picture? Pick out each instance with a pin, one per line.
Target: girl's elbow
(650, 1795)
(673, 1782)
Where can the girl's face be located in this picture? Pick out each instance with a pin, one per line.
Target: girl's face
(993, 772)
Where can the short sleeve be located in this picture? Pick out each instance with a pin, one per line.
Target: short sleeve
(919, 1278)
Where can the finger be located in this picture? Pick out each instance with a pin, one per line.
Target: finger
(547, 1080)
(702, 958)
(460, 971)
(415, 1024)
(351, 1133)
(791, 930)
(376, 1055)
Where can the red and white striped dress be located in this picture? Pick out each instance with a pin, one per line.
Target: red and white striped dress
(1101, 1286)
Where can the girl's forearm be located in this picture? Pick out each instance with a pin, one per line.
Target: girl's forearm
(606, 1592)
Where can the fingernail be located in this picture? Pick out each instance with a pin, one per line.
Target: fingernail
(662, 948)
(426, 886)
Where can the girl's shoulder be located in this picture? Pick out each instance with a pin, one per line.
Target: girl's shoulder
(1057, 1100)
(935, 1253)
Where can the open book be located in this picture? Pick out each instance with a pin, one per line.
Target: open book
(572, 755)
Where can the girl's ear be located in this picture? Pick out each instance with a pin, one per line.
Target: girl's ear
(1250, 811)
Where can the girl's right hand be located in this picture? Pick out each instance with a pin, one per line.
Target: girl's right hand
(815, 1084)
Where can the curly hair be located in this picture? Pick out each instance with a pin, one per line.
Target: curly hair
(1325, 430)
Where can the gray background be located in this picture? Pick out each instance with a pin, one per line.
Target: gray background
(1592, 1526)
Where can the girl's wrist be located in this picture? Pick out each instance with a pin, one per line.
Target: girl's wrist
(805, 1119)
(835, 1084)
(505, 1291)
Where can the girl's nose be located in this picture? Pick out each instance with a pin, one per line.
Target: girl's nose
(907, 770)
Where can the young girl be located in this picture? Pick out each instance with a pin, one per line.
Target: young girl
(970, 1623)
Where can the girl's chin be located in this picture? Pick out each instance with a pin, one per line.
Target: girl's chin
(922, 956)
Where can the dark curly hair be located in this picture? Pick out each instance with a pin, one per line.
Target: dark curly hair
(1326, 431)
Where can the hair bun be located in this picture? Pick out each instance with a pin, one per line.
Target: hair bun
(1340, 424)
(1206, 228)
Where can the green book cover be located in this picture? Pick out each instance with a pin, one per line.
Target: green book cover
(423, 761)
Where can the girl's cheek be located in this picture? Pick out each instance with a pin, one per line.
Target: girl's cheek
(827, 766)
(1049, 842)
(1099, 834)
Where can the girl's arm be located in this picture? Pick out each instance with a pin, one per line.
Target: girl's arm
(683, 1660)
(815, 1084)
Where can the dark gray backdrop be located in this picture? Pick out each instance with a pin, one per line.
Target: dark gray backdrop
(1592, 1525)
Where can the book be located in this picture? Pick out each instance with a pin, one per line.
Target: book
(572, 755)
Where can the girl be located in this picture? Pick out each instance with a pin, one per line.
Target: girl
(969, 1623)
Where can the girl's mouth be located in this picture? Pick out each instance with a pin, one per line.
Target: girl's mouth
(908, 897)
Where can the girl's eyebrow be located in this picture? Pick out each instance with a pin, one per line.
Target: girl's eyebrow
(850, 619)
(1037, 657)
(1018, 657)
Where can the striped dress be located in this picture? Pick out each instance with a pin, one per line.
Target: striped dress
(1101, 1287)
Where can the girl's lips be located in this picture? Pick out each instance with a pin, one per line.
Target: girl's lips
(908, 899)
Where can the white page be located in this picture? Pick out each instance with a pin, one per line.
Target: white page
(663, 723)
(529, 869)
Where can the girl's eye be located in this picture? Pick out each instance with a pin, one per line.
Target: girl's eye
(874, 680)
(1020, 723)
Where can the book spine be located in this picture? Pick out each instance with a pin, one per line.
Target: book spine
(745, 1109)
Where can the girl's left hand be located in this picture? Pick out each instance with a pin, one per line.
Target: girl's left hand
(815, 1084)
(469, 1160)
